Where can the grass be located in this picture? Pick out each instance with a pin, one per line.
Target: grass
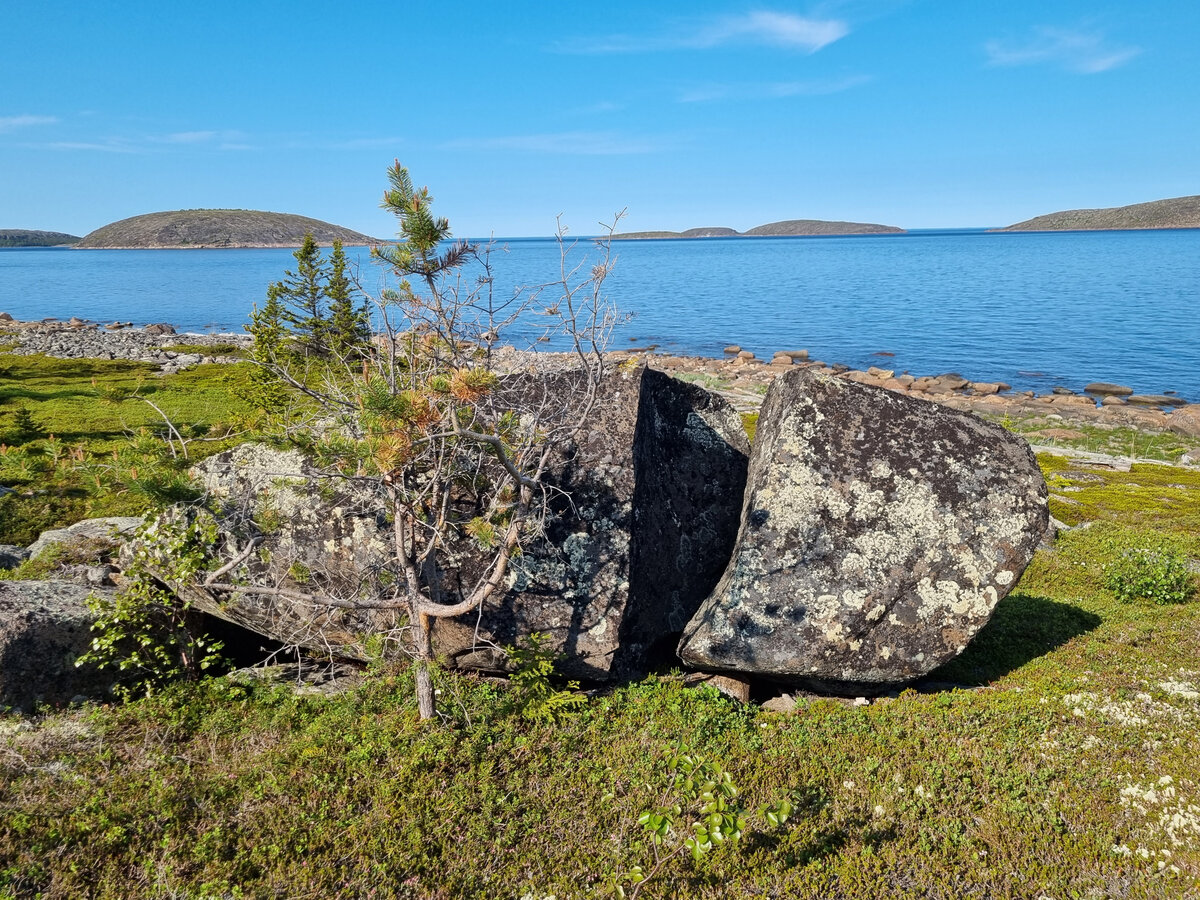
(209, 349)
(1056, 758)
(1112, 440)
(82, 438)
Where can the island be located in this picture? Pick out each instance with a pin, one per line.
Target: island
(26, 237)
(216, 229)
(1177, 212)
(786, 228)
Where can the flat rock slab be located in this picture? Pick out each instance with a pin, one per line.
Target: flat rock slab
(44, 627)
(878, 533)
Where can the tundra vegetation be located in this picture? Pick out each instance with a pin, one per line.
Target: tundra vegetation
(1055, 757)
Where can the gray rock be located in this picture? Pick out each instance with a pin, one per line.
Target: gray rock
(112, 527)
(1106, 388)
(784, 703)
(1155, 400)
(643, 513)
(878, 534)
(44, 627)
(12, 556)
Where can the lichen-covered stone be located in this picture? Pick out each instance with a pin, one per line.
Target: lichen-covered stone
(878, 534)
(44, 627)
(642, 513)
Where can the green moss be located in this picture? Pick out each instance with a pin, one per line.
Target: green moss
(209, 349)
(1166, 498)
(98, 449)
(750, 424)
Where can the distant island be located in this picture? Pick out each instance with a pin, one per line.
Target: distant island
(787, 228)
(1178, 212)
(24, 237)
(216, 229)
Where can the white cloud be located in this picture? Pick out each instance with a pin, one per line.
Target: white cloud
(111, 146)
(772, 90)
(12, 123)
(574, 143)
(189, 137)
(762, 27)
(1084, 52)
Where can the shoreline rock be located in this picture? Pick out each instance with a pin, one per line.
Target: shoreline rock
(743, 381)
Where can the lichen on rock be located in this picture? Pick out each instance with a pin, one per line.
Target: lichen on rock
(878, 533)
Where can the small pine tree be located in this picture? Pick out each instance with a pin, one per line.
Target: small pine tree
(265, 391)
(303, 295)
(349, 325)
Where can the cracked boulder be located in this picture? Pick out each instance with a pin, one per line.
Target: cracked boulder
(878, 533)
(44, 627)
(642, 514)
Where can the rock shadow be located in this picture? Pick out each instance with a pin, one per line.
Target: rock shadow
(1023, 628)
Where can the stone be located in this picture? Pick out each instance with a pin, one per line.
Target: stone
(111, 528)
(878, 533)
(1104, 387)
(880, 373)
(1155, 400)
(643, 511)
(734, 688)
(733, 350)
(798, 355)
(1064, 391)
(12, 556)
(952, 381)
(1113, 400)
(1185, 420)
(44, 627)
(6, 317)
(159, 328)
(784, 703)
(745, 354)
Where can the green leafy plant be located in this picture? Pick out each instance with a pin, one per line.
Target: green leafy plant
(146, 632)
(1151, 568)
(700, 810)
(535, 696)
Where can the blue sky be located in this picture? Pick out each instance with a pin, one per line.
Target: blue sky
(918, 113)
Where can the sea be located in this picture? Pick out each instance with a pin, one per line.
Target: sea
(1035, 310)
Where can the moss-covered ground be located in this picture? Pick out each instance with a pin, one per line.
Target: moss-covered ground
(1056, 758)
(81, 438)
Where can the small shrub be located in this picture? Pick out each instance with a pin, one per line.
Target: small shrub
(146, 632)
(1153, 569)
(535, 696)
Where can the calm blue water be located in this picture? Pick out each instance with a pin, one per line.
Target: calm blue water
(1034, 310)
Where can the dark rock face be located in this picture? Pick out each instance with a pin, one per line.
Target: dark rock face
(878, 534)
(44, 627)
(638, 532)
(643, 512)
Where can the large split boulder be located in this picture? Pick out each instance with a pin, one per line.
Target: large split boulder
(878, 533)
(44, 627)
(642, 514)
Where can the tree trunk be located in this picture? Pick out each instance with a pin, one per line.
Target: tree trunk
(426, 703)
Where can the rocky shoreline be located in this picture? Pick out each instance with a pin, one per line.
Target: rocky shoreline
(740, 376)
(77, 339)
